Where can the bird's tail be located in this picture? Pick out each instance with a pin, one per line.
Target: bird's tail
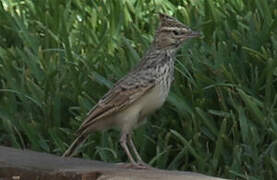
(76, 143)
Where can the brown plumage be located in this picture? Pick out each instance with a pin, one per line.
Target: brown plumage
(139, 93)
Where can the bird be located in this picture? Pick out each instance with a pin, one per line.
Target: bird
(140, 92)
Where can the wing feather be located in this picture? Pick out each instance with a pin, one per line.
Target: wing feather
(127, 90)
(117, 99)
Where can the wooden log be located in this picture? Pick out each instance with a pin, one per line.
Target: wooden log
(29, 165)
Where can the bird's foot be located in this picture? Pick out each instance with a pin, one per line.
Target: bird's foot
(144, 165)
(138, 165)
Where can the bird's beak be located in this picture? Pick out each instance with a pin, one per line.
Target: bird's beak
(190, 35)
(193, 34)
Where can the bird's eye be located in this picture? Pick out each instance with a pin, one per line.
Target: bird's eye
(175, 33)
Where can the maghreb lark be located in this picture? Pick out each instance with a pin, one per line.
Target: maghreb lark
(138, 94)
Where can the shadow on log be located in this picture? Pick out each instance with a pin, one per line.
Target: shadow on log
(29, 165)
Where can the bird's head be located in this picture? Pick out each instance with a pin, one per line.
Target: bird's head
(172, 33)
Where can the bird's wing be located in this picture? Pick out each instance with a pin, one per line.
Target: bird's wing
(123, 94)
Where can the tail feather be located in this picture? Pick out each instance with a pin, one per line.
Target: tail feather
(76, 143)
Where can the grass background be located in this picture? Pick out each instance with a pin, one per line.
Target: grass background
(57, 58)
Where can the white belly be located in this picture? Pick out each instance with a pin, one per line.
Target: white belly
(152, 101)
(147, 104)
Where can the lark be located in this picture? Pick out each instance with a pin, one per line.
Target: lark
(138, 94)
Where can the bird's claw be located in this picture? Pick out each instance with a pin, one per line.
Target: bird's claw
(138, 165)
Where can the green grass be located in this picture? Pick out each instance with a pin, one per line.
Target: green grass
(57, 58)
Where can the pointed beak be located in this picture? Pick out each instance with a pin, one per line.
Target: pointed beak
(193, 34)
(190, 35)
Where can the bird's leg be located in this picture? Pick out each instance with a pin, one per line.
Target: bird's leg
(123, 141)
(123, 144)
(140, 162)
(131, 143)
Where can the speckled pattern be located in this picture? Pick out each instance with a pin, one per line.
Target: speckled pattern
(142, 91)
